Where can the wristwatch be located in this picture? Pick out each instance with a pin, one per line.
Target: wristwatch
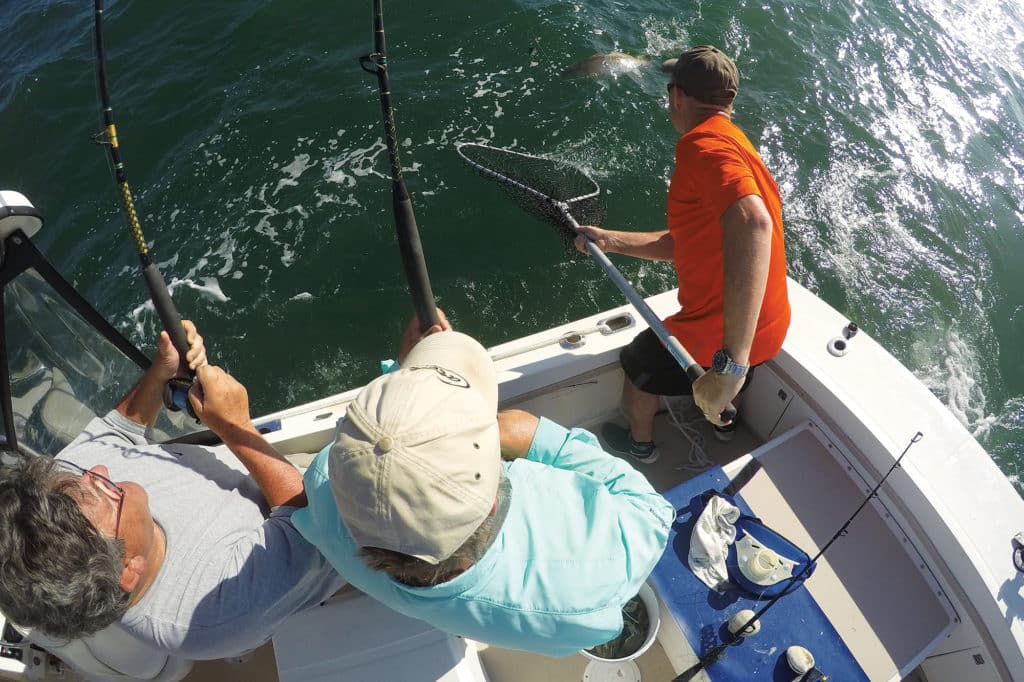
(723, 363)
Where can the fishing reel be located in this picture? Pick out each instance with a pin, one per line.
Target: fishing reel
(176, 396)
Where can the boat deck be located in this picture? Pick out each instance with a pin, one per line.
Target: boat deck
(873, 587)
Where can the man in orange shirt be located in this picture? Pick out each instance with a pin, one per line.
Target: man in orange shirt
(725, 238)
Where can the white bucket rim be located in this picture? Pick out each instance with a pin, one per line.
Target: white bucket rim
(650, 600)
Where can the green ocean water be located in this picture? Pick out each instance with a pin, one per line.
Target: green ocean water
(254, 144)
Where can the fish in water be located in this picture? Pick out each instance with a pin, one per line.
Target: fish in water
(612, 62)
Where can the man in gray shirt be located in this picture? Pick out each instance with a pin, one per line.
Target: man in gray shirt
(190, 549)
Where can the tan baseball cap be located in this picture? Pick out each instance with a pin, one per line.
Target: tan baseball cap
(705, 73)
(416, 463)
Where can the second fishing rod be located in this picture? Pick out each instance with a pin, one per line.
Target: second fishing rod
(405, 221)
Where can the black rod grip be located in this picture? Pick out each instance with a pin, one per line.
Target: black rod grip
(164, 306)
(412, 260)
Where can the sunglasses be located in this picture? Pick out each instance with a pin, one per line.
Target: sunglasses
(109, 486)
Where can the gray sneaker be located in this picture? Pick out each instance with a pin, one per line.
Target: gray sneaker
(620, 441)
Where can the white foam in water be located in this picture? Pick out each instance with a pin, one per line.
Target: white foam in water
(144, 318)
(354, 163)
(482, 85)
(665, 37)
(208, 286)
(294, 171)
(289, 233)
(950, 368)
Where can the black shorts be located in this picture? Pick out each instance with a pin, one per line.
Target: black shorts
(652, 369)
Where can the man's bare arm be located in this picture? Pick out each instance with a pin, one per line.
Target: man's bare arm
(656, 245)
(746, 251)
(222, 403)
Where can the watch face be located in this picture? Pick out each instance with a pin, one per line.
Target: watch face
(719, 361)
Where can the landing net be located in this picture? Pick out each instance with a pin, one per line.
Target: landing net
(566, 197)
(554, 191)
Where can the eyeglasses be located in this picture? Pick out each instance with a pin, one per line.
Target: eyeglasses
(108, 486)
(673, 84)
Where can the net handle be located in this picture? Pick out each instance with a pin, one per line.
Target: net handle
(693, 370)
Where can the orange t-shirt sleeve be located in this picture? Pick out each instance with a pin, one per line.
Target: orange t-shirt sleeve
(717, 169)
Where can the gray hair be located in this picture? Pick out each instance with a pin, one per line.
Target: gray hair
(58, 573)
(415, 572)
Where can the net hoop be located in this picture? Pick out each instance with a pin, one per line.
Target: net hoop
(592, 194)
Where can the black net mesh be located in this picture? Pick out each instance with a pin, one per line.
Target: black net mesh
(538, 185)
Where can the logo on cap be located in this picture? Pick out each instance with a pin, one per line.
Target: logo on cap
(446, 375)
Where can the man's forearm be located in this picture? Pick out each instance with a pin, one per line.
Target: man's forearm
(647, 245)
(143, 402)
(278, 479)
(746, 250)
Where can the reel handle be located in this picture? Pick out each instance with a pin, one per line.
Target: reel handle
(176, 396)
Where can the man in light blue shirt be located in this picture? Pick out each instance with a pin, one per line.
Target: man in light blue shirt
(414, 506)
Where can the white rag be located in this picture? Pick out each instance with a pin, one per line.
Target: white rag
(709, 543)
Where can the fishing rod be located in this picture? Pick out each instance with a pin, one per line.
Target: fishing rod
(747, 628)
(175, 398)
(405, 222)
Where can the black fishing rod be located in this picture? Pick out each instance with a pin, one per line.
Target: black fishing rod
(175, 398)
(405, 222)
(737, 636)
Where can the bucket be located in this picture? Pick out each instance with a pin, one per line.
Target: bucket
(650, 601)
